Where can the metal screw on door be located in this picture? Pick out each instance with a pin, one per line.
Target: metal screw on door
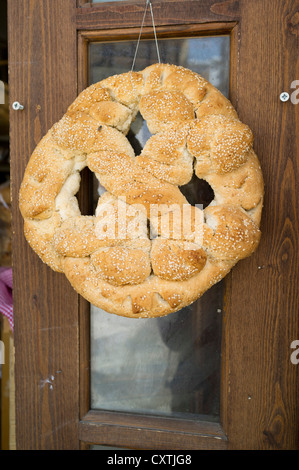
(284, 96)
(17, 106)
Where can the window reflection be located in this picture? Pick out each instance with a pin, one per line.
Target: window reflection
(164, 366)
(208, 56)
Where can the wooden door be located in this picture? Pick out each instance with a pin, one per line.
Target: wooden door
(48, 67)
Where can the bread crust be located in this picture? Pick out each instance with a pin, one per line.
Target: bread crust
(121, 259)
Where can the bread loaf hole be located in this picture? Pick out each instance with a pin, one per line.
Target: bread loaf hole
(88, 194)
(83, 197)
(138, 134)
(198, 191)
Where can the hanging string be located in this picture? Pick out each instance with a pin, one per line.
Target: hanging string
(148, 2)
(154, 28)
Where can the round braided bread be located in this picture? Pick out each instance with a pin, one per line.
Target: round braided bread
(126, 264)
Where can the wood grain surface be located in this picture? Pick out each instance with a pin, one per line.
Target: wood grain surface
(261, 316)
(166, 12)
(42, 66)
(135, 431)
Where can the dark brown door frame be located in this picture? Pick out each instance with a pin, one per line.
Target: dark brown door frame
(260, 383)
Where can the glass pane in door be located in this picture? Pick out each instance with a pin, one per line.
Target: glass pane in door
(208, 56)
(167, 366)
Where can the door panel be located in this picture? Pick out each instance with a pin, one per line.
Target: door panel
(259, 383)
(45, 306)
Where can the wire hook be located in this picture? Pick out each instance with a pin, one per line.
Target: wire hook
(148, 2)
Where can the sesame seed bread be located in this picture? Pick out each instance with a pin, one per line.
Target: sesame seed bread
(135, 270)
